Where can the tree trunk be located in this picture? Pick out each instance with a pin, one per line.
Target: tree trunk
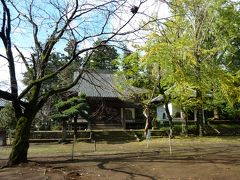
(216, 113)
(148, 120)
(124, 119)
(89, 124)
(4, 137)
(185, 118)
(170, 119)
(199, 113)
(21, 142)
(64, 131)
(200, 122)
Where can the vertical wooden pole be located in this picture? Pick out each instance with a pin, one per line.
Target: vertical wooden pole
(124, 119)
(148, 136)
(169, 141)
(74, 139)
(95, 145)
(10, 136)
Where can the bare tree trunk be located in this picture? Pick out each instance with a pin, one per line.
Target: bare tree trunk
(124, 119)
(199, 114)
(148, 120)
(21, 141)
(185, 118)
(64, 131)
(170, 119)
(4, 137)
(200, 122)
(216, 113)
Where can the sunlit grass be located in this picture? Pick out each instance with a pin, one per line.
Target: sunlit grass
(103, 147)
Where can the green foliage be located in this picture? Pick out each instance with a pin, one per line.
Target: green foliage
(71, 107)
(59, 117)
(133, 69)
(102, 57)
(56, 60)
(193, 60)
(7, 117)
(192, 52)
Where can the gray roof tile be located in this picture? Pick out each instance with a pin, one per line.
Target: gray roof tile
(96, 84)
(103, 84)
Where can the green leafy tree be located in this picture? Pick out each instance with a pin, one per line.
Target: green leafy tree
(184, 56)
(102, 57)
(47, 30)
(56, 61)
(7, 117)
(146, 73)
(71, 109)
(187, 49)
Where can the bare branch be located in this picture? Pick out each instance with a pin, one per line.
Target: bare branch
(3, 56)
(30, 20)
(23, 58)
(5, 36)
(6, 95)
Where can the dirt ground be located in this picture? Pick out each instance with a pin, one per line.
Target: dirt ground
(190, 159)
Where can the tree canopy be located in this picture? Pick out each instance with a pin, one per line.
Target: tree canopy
(7, 117)
(189, 58)
(102, 57)
(69, 109)
(45, 27)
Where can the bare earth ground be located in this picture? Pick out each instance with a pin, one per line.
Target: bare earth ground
(192, 158)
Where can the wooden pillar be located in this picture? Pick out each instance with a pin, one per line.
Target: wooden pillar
(123, 118)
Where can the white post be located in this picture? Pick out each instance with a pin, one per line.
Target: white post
(148, 136)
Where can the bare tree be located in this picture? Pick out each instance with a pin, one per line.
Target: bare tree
(50, 25)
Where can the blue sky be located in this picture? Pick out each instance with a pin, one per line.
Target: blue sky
(22, 32)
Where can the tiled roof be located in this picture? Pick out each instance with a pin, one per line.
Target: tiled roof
(96, 84)
(102, 84)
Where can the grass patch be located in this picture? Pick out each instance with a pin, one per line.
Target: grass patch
(103, 147)
(227, 126)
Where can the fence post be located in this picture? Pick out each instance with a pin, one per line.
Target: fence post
(74, 139)
(95, 145)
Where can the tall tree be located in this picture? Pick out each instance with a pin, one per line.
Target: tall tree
(184, 54)
(200, 26)
(103, 56)
(145, 71)
(71, 109)
(51, 23)
(56, 60)
(191, 44)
